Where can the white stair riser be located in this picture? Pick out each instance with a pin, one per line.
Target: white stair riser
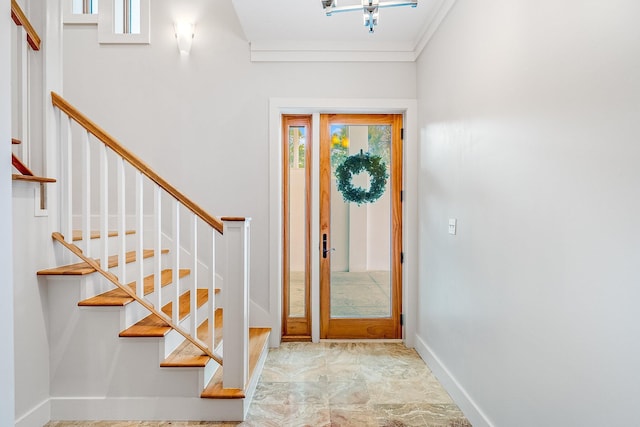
(209, 370)
(173, 339)
(131, 245)
(95, 245)
(96, 284)
(135, 312)
(131, 269)
(86, 286)
(170, 342)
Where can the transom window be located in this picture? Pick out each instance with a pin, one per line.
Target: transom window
(87, 7)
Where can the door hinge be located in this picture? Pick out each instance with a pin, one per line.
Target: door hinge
(402, 133)
(401, 319)
(401, 257)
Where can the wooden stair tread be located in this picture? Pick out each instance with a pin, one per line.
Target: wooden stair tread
(83, 268)
(95, 234)
(118, 297)
(31, 178)
(257, 340)
(15, 141)
(153, 326)
(187, 354)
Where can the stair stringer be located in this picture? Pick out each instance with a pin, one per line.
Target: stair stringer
(88, 357)
(95, 375)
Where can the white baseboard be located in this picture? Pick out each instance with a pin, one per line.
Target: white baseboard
(37, 416)
(471, 410)
(146, 408)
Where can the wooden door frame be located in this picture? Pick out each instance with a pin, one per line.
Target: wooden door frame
(370, 327)
(268, 310)
(296, 328)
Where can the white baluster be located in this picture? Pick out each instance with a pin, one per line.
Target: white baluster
(140, 233)
(86, 190)
(67, 185)
(122, 220)
(58, 117)
(211, 308)
(176, 262)
(194, 275)
(236, 304)
(25, 105)
(104, 208)
(157, 269)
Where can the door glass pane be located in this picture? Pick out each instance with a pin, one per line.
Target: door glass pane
(84, 7)
(135, 17)
(297, 220)
(129, 11)
(77, 7)
(360, 233)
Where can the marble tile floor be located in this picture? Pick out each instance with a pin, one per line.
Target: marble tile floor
(338, 384)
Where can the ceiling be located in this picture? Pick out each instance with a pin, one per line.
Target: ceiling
(299, 30)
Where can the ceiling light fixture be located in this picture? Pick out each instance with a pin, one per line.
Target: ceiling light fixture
(368, 7)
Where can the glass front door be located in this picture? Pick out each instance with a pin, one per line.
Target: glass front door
(360, 225)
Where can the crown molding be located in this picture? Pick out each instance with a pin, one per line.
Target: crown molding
(280, 54)
(430, 29)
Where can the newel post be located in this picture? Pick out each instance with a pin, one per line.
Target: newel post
(235, 314)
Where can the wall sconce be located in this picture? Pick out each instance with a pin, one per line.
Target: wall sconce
(184, 36)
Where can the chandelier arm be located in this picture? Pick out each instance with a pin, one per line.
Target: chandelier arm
(386, 4)
(338, 9)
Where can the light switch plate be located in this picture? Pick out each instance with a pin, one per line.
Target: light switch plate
(452, 225)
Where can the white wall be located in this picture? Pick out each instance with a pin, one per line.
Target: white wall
(30, 243)
(32, 251)
(529, 116)
(202, 120)
(7, 380)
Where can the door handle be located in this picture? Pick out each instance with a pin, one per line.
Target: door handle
(325, 251)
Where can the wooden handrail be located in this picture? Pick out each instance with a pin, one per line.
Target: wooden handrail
(20, 18)
(113, 279)
(133, 160)
(21, 167)
(31, 178)
(234, 218)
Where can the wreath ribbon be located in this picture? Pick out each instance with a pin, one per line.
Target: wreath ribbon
(355, 164)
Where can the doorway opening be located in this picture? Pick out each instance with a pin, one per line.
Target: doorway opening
(356, 285)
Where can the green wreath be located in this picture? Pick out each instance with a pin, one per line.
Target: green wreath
(355, 164)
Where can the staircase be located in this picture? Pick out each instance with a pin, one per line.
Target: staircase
(148, 304)
(114, 361)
